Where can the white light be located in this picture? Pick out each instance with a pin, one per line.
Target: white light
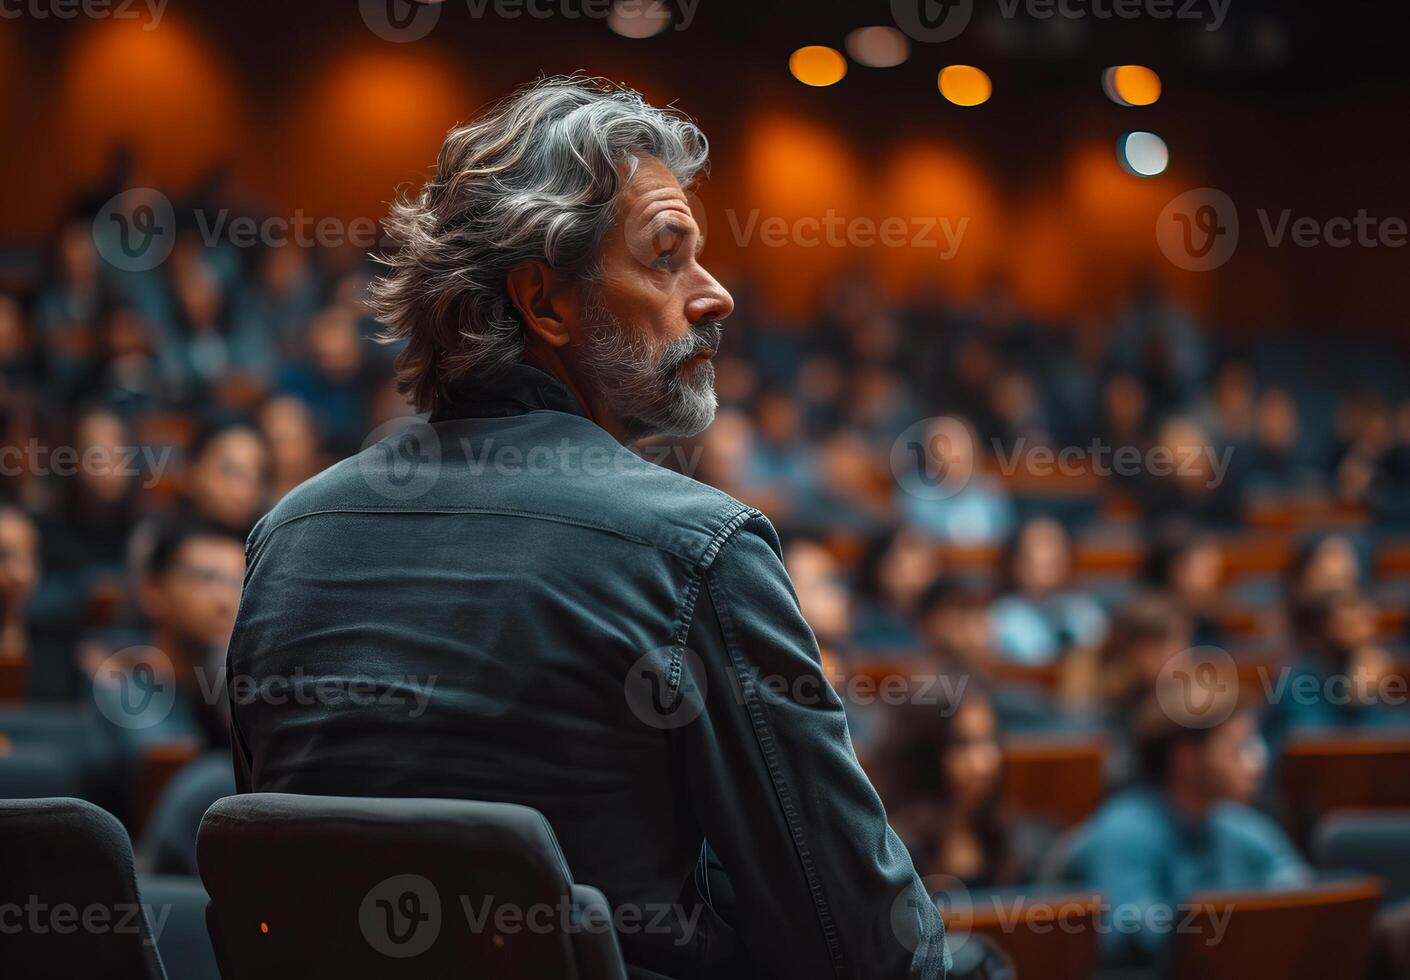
(639, 18)
(1143, 154)
(878, 47)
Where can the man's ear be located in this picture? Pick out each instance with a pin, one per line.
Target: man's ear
(545, 301)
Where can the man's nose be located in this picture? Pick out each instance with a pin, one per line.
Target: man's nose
(712, 303)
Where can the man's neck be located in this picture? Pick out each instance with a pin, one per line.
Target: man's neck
(549, 362)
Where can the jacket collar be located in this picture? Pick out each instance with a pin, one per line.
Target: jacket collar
(514, 391)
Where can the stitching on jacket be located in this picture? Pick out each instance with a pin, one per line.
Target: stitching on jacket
(495, 511)
(685, 612)
(785, 796)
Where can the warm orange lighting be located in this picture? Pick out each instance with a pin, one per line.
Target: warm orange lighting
(1131, 85)
(264, 928)
(965, 85)
(818, 65)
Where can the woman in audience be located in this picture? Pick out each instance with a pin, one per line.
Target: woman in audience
(940, 770)
(1038, 617)
(1186, 564)
(1343, 676)
(896, 568)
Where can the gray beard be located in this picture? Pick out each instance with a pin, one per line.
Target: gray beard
(642, 384)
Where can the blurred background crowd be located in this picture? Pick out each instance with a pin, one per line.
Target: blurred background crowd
(150, 418)
(1108, 561)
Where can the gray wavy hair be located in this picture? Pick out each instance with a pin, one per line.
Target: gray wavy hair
(535, 177)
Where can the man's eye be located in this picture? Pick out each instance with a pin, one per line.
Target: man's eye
(663, 261)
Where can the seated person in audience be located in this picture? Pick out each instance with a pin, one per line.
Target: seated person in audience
(956, 625)
(945, 491)
(45, 649)
(1186, 828)
(227, 480)
(173, 687)
(1187, 565)
(1194, 482)
(295, 447)
(1343, 676)
(1321, 564)
(896, 568)
(940, 769)
(1146, 634)
(1038, 617)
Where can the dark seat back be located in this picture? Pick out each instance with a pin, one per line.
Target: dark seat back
(335, 886)
(68, 865)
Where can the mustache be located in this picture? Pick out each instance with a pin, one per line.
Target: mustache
(704, 338)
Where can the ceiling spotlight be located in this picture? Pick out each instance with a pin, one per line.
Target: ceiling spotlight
(965, 85)
(818, 65)
(878, 47)
(639, 18)
(1143, 154)
(1131, 85)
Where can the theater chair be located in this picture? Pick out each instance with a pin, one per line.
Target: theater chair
(1058, 777)
(1318, 933)
(1369, 842)
(334, 886)
(1043, 932)
(67, 866)
(1323, 772)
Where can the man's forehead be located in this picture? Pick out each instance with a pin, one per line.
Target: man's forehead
(651, 190)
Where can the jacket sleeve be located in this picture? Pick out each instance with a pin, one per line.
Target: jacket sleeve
(823, 887)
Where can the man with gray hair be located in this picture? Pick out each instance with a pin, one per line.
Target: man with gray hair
(609, 642)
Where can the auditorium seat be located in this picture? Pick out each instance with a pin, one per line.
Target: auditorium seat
(178, 911)
(1372, 842)
(30, 772)
(65, 853)
(1055, 776)
(1045, 934)
(1323, 772)
(168, 841)
(1318, 933)
(333, 886)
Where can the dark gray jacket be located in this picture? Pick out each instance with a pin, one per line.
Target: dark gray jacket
(508, 605)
